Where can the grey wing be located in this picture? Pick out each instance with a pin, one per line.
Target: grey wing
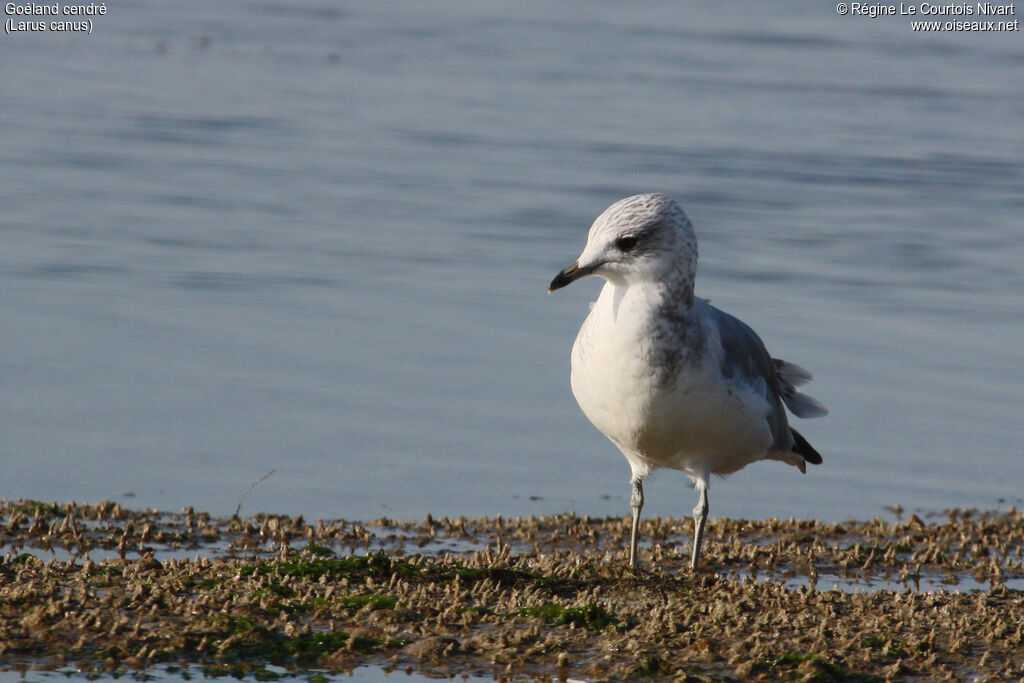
(745, 355)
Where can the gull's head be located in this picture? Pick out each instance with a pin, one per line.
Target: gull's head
(643, 238)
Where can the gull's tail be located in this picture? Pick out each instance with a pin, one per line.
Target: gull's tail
(790, 377)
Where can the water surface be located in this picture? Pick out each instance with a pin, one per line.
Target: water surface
(315, 238)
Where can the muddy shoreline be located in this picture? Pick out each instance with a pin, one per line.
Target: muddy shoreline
(101, 588)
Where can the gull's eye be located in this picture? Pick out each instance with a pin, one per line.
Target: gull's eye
(626, 243)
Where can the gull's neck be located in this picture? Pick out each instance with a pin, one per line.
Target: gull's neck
(672, 296)
(675, 291)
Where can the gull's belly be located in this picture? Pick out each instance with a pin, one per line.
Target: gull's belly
(701, 425)
(693, 421)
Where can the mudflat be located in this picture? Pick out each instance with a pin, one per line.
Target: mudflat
(919, 597)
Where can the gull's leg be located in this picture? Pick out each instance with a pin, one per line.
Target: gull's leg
(636, 501)
(700, 516)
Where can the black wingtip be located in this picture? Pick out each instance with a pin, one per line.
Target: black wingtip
(804, 449)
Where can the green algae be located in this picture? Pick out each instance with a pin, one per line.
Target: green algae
(318, 566)
(307, 649)
(589, 616)
(813, 667)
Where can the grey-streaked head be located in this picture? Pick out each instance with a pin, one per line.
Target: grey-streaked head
(643, 238)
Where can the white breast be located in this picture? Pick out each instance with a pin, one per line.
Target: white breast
(691, 421)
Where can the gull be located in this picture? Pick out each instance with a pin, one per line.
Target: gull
(671, 380)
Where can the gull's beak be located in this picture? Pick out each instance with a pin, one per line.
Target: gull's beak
(570, 274)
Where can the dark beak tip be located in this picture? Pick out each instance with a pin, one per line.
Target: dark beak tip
(564, 277)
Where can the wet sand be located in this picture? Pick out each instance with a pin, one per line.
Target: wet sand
(101, 588)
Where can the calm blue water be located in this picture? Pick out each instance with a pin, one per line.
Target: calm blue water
(315, 237)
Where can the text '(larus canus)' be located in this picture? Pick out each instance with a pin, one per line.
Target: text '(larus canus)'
(670, 379)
